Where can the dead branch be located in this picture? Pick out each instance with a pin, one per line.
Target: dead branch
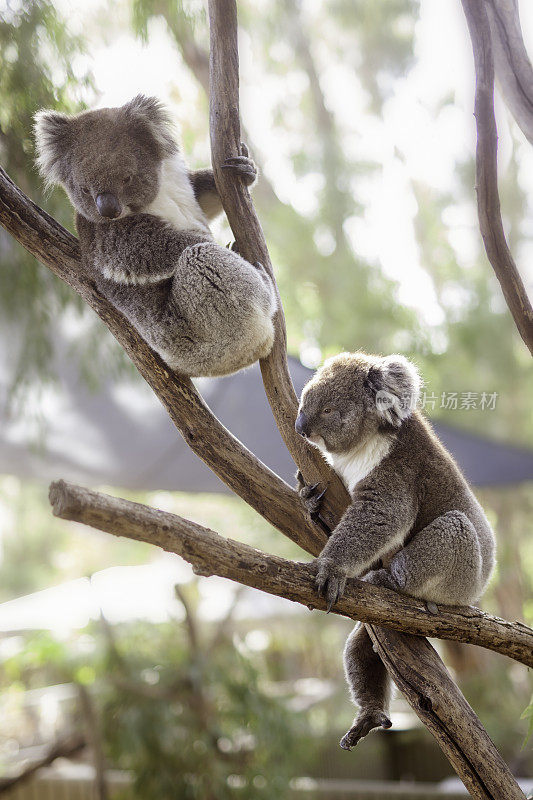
(62, 748)
(488, 201)
(212, 554)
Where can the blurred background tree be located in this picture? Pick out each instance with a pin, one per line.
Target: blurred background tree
(375, 247)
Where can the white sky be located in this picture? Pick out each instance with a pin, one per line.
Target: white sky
(410, 142)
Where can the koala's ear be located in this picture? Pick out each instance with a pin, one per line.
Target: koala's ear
(151, 112)
(395, 384)
(53, 139)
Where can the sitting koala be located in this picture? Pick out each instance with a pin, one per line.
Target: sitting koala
(142, 219)
(413, 524)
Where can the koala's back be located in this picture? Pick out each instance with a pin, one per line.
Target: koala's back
(440, 486)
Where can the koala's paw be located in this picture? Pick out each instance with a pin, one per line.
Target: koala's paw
(381, 577)
(243, 166)
(365, 722)
(330, 581)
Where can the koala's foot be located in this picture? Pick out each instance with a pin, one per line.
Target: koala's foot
(330, 581)
(364, 723)
(381, 577)
(243, 166)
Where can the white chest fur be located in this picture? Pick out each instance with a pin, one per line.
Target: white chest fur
(175, 201)
(356, 464)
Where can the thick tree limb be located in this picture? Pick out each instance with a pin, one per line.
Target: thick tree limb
(488, 201)
(445, 712)
(212, 554)
(225, 142)
(55, 247)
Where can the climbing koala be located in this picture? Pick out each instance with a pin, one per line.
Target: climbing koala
(413, 524)
(142, 219)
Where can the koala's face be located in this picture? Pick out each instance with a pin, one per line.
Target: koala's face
(107, 160)
(353, 397)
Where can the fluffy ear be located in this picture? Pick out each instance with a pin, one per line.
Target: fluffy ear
(396, 384)
(53, 140)
(152, 112)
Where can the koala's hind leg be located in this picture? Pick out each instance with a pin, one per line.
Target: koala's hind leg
(369, 686)
(442, 563)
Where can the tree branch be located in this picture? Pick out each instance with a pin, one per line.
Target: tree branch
(442, 708)
(212, 554)
(225, 142)
(514, 72)
(248, 477)
(62, 748)
(488, 201)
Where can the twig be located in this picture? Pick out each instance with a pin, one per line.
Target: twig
(94, 740)
(211, 554)
(488, 201)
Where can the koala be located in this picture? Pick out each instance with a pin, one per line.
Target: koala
(142, 220)
(413, 524)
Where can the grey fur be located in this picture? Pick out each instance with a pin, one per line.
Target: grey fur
(413, 525)
(202, 307)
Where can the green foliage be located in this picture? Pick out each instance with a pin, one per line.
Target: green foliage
(182, 708)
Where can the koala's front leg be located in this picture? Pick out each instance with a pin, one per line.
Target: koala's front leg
(370, 527)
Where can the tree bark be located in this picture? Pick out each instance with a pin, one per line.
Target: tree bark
(488, 201)
(212, 554)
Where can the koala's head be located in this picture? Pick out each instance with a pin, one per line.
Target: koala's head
(355, 396)
(108, 160)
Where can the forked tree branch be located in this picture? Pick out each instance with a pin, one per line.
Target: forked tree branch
(212, 554)
(488, 201)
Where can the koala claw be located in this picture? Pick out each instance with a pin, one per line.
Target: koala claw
(330, 583)
(364, 723)
(243, 166)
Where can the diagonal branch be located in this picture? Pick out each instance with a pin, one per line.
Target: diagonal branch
(261, 488)
(442, 708)
(488, 201)
(212, 554)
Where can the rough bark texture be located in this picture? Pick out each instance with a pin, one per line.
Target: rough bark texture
(212, 554)
(488, 201)
(425, 682)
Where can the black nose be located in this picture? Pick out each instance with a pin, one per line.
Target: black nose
(301, 424)
(108, 205)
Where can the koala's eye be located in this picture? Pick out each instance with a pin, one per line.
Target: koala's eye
(327, 410)
(127, 180)
(85, 190)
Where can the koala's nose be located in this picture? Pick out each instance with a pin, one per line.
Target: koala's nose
(108, 205)
(301, 425)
